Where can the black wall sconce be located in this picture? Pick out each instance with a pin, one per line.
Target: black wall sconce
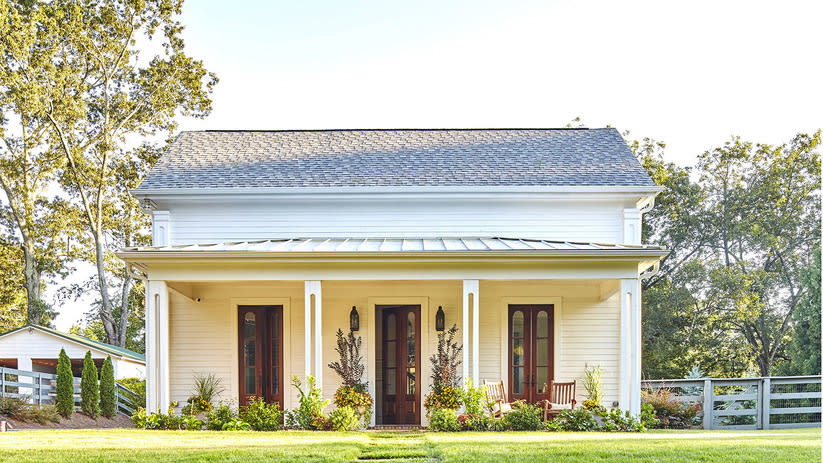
(354, 319)
(440, 319)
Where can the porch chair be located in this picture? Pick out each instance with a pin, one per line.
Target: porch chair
(496, 394)
(561, 398)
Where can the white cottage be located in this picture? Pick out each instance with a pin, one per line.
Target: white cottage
(36, 348)
(266, 241)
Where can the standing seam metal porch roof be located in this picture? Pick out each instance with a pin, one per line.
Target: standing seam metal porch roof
(395, 158)
(393, 245)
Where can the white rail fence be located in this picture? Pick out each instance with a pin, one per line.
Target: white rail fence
(41, 388)
(750, 403)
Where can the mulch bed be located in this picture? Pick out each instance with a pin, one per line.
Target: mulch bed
(77, 421)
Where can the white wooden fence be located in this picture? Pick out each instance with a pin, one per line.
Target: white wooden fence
(41, 388)
(750, 403)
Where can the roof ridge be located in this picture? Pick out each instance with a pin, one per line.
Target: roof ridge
(99, 345)
(407, 129)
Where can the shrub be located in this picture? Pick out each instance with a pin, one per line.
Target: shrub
(350, 366)
(107, 400)
(219, 416)
(524, 417)
(139, 418)
(138, 386)
(471, 422)
(236, 425)
(474, 399)
(158, 420)
(65, 385)
(89, 389)
(262, 416)
(191, 423)
(357, 398)
(9, 406)
(309, 413)
(443, 419)
(41, 414)
(443, 396)
(344, 419)
(618, 420)
(648, 417)
(194, 405)
(670, 412)
(578, 419)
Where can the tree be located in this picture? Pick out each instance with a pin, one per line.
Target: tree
(803, 352)
(28, 167)
(89, 392)
(108, 406)
(107, 95)
(65, 385)
(763, 218)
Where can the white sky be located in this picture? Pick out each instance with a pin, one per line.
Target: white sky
(689, 73)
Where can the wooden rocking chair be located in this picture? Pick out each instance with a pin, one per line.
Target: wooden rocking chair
(561, 398)
(496, 395)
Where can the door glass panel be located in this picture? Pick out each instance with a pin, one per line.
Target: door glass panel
(275, 381)
(391, 354)
(543, 351)
(251, 385)
(410, 353)
(517, 324)
(391, 327)
(517, 380)
(391, 374)
(249, 353)
(542, 380)
(517, 352)
(542, 324)
(275, 352)
(249, 325)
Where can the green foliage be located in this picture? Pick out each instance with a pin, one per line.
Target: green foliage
(593, 383)
(21, 410)
(444, 419)
(11, 405)
(443, 396)
(108, 405)
(648, 416)
(803, 352)
(523, 417)
(579, 419)
(357, 398)
(65, 385)
(191, 423)
(309, 413)
(669, 412)
(474, 399)
(12, 290)
(139, 418)
(219, 416)
(344, 419)
(138, 386)
(160, 421)
(476, 422)
(446, 359)
(236, 425)
(89, 389)
(262, 416)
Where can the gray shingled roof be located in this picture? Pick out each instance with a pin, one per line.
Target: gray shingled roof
(409, 157)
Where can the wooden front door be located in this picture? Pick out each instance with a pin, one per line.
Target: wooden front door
(531, 351)
(401, 360)
(261, 353)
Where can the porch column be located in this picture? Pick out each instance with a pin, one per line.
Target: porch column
(157, 346)
(630, 342)
(470, 305)
(313, 288)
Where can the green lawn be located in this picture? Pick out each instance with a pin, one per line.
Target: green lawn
(396, 447)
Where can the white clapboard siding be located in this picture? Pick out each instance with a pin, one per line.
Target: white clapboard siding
(582, 220)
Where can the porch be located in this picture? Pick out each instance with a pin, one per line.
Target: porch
(580, 321)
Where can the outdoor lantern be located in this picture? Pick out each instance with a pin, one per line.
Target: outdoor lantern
(440, 319)
(354, 319)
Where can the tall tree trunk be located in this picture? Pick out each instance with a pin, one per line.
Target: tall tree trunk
(35, 306)
(106, 312)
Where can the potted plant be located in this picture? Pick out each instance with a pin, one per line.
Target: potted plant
(353, 392)
(446, 391)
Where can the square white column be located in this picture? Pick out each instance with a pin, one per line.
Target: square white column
(313, 288)
(630, 345)
(470, 306)
(157, 346)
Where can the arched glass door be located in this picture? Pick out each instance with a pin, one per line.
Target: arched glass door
(531, 351)
(260, 336)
